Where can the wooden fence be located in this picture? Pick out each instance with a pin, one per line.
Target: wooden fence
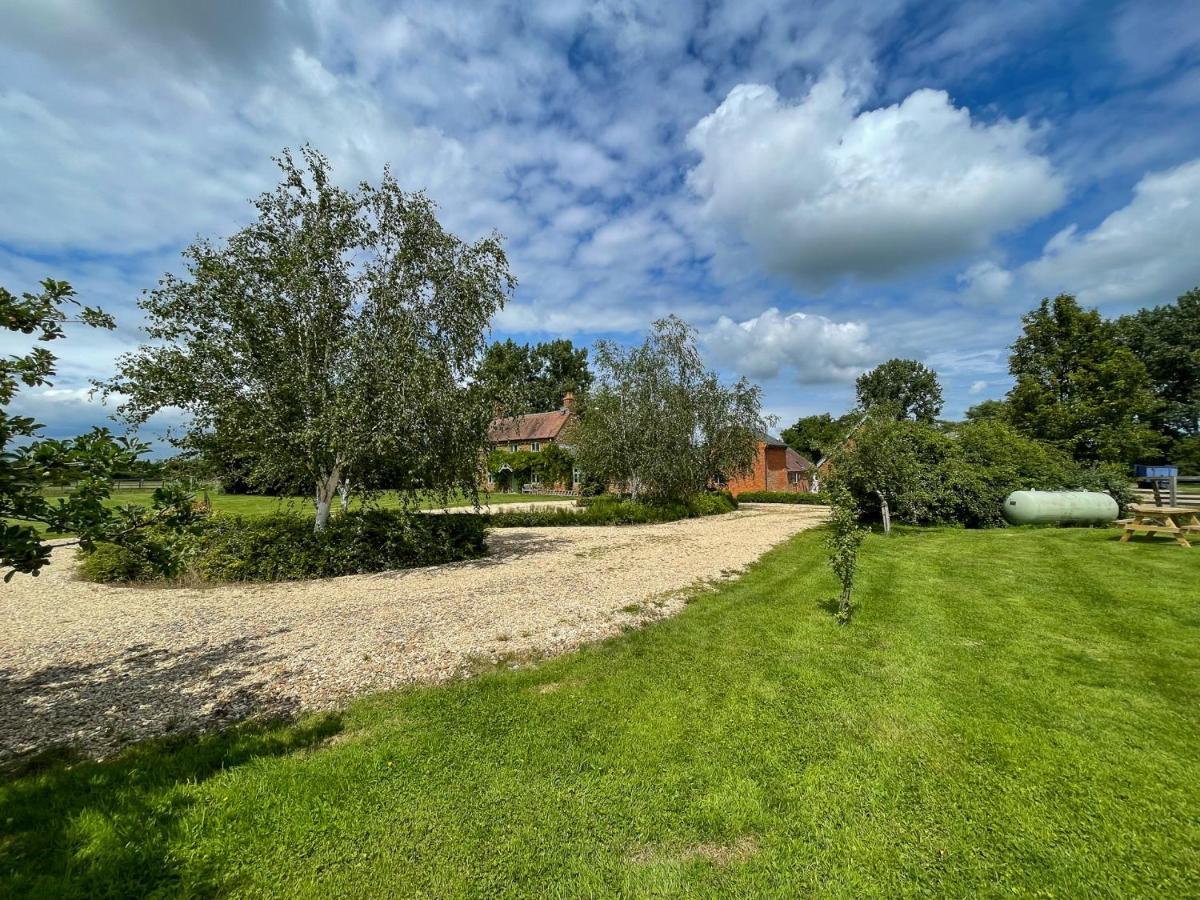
(1171, 491)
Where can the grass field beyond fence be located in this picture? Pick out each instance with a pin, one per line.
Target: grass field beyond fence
(256, 505)
(1010, 711)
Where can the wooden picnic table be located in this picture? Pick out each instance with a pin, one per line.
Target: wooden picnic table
(1177, 521)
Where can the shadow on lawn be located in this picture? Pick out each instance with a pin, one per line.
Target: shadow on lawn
(91, 828)
(140, 692)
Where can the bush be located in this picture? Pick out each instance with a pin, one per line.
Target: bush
(145, 554)
(961, 476)
(106, 562)
(283, 546)
(608, 510)
(782, 497)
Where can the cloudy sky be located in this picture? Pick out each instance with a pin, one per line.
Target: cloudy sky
(816, 186)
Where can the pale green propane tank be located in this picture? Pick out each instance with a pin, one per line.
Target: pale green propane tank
(1049, 507)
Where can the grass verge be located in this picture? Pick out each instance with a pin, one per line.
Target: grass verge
(1011, 711)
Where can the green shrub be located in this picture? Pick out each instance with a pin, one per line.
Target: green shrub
(782, 497)
(962, 475)
(145, 554)
(609, 510)
(712, 504)
(106, 562)
(283, 546)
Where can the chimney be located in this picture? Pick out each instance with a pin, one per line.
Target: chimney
(569, 401)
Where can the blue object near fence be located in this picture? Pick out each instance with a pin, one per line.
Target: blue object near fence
(1156, 471)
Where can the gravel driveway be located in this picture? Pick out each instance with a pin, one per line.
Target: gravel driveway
(98, 666)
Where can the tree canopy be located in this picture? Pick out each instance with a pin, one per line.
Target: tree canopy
(1078, 387)
(337, 337)
(904, 387)
(931, 474)
(1167, 341)
(988, 411)
(660, 423)
(524, 378)
(815, 436)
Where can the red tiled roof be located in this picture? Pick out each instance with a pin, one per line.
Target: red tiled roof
(543, 426)
(794, 461)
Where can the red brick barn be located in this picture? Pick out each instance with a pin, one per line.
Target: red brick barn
(777, 467)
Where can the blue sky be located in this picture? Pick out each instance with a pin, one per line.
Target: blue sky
(816, 186)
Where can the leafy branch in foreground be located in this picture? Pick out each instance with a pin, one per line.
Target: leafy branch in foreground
(87, 463)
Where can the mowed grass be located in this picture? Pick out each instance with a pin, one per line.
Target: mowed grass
(254, 505)
(1010, 711)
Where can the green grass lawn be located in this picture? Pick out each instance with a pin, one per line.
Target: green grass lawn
(253, 505)
(1011, 711)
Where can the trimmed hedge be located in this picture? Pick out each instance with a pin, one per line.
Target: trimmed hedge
(782, 497)
(283, 547)
(611, 511)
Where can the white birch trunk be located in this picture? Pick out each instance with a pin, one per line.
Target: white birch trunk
(344, 491)
(326, 489)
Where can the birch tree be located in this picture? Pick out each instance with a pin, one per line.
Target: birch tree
(337, 336)
(660, 423)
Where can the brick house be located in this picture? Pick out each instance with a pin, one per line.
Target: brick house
(532, 432)
(776, 468)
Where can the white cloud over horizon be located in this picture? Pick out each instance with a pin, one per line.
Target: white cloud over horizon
(823, 187)
(812, 348)
(1145, 251)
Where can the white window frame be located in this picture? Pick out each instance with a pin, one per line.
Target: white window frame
(535, 446)
(512, 446)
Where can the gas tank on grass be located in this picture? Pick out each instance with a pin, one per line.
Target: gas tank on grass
(1067, 507)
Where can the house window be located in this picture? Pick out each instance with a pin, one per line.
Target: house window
(794, 477)
(512, 448)
(576, 475)
(535, 446)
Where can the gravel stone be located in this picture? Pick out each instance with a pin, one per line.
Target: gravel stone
(95, 667)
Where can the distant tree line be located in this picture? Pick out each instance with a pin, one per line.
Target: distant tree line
(1118, 391)
(1091, 397)
(524, 378)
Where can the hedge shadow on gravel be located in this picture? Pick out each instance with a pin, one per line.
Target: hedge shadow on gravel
(142, 691)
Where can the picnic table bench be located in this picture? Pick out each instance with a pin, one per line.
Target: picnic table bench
(1177, 521)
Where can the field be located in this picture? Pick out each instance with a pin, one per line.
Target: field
(253, 505)
(1010, 711)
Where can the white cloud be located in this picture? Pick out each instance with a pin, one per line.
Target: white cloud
(1150, 35)
(986, 282)
(977, 387)
(822, 189)
(816, 349)
(1144, 252)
